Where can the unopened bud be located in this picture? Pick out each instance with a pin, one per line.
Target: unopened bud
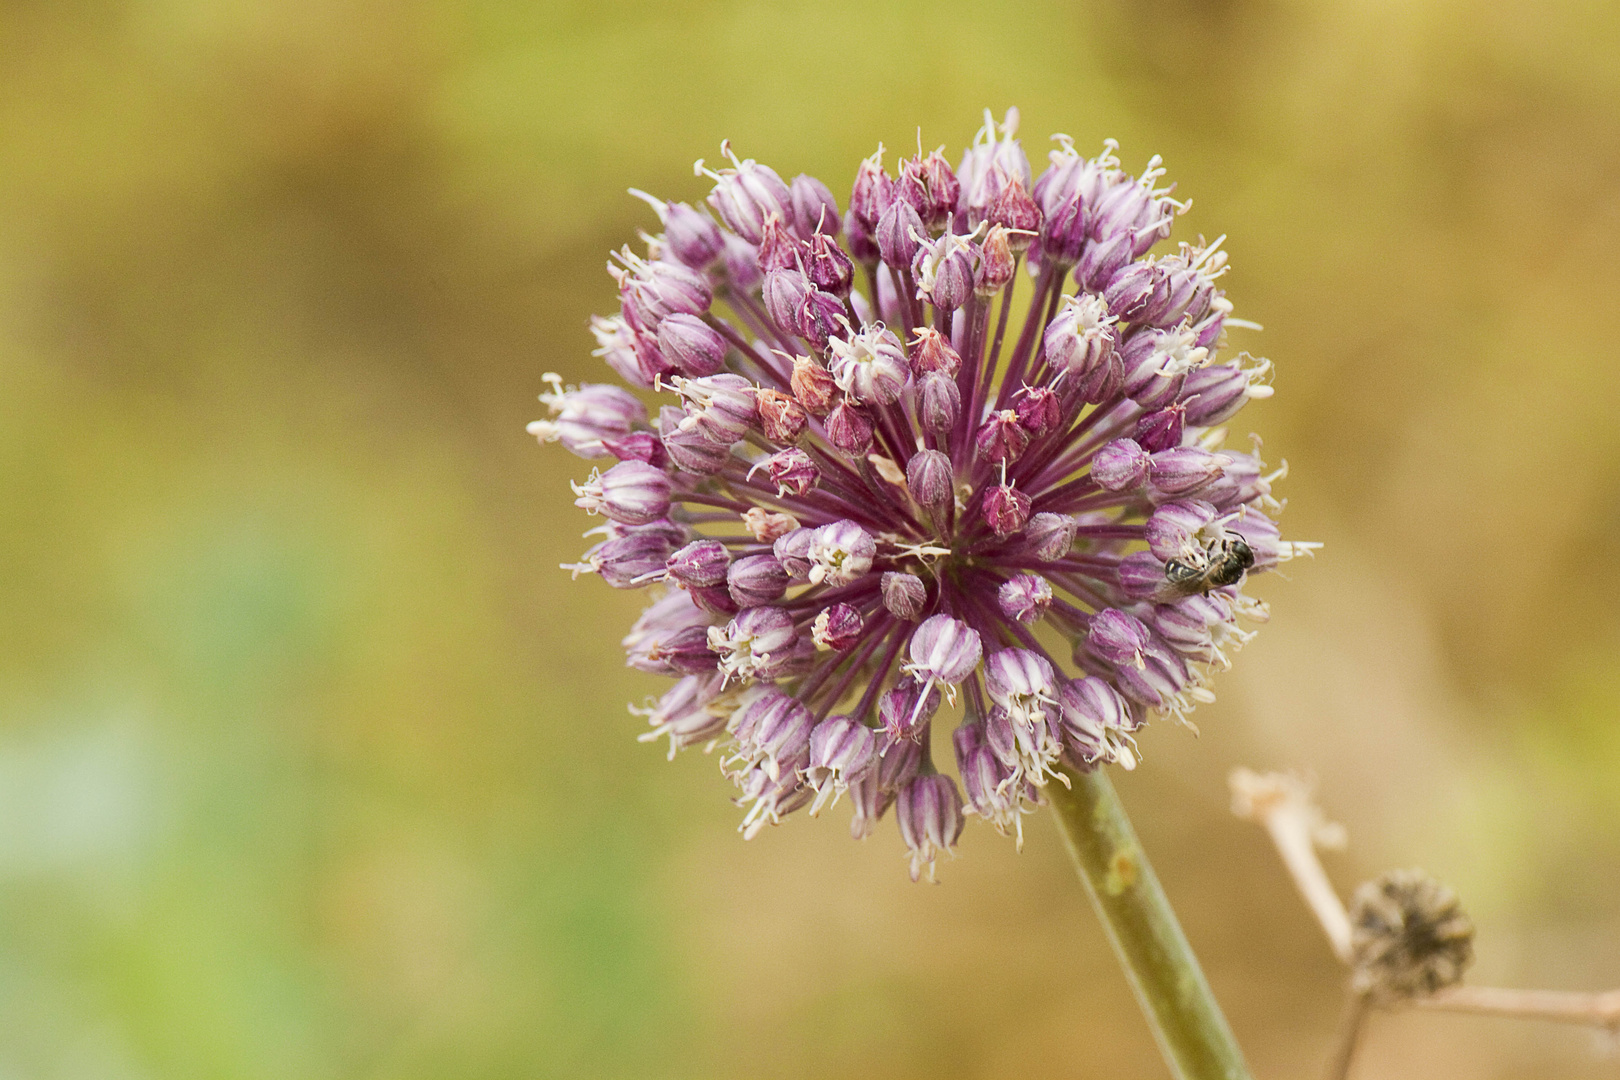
(1120, 466)
(1161, 429)
(756, 579)
(814, 208)
(897, 234)
(939, 402)
(849, 428)
(702, 562)
(904, 595)
(691, 345)
(1050, 537)
(931, 479)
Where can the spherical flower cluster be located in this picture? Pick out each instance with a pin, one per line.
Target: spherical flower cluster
(867, 490)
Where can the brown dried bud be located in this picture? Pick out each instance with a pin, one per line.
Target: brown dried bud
(1409, 937)
(782, 418)
(813, 385)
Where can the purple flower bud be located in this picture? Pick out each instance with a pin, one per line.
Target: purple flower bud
(630, 351)
(657, 289)
(684, 652)
(1214, 394)
(1014, 210)
(1141, 574)
(631, 492)
(987, 155)
(813, 386)
(1050, 537)
(931, 188)
(701, 563)
(657, 624)
(715, 599)
(1174, 530)
(691, 235)
(929, 810)
(1080, 339)
(997, 263)
(1025, 598)
(906, 710)
(1161, 429)
(1039, 411)
(939, 402)
(641, 446)
(768, 800)
(779, 249)
(814, 208)
(742, 263)
(745, 195)
(944, 649)
(690, 449)
(840, 553)
(1006, 509)
(1192, 625)
(1001, 438)
(1097, 722)
(792, 550)
(837, 628)
(691, 345)
(904, 595)
(871, 195)
(829, 268)
(1156, 364)
(1134, 293)
(842, 749)
(1162, 682)
(1182, 471)
(792, 471)
(758, 643)
(1022, 683)
(870, 801)
(773, 733)
(871, 366)
(987, 783)
(899, 760)
(683, 714)
(784, 295)
(1101, 260)
(930, 478)
(582, 418)
(1118, 638)
(897, 234)
(822, 318)
(755, 580)
(721, 408)
(944, 270)
(1120, 466)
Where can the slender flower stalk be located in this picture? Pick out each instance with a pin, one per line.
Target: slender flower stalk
(863, 505)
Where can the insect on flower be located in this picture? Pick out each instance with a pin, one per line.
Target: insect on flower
(869, 482)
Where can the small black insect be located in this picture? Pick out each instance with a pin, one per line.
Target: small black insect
(1225, 562)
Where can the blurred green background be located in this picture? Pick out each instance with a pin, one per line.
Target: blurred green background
(312, 762)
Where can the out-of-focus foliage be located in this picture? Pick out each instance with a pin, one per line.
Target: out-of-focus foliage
(313, 764)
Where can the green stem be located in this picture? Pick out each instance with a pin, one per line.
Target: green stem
(1192, 1034)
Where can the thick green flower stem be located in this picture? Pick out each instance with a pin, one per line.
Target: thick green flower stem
(1193, 1035)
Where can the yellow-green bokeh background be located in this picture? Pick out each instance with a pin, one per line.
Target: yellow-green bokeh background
(312, 762)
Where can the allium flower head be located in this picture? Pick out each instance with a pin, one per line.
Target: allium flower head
(867, 489)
